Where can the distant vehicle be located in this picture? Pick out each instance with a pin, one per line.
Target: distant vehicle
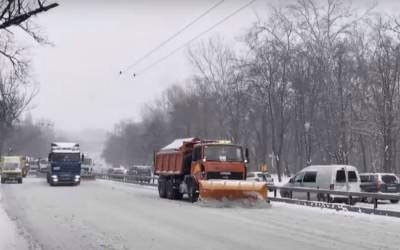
(33, 167)
(87, 169)
(140, 173)
(380, 182)
(119, 170)
(43, 165)
(332, 177)
(65, 164)
(262, 177)
(11, 169)
(25, 165)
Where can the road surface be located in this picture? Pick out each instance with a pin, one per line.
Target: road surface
(108, 215)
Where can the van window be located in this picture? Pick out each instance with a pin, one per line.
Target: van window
(340, 176)
(352, 176)
(310, 177)
(298, 178)
(365, 178)
(389, 179)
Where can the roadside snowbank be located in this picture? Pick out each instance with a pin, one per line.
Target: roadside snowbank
(9, 237)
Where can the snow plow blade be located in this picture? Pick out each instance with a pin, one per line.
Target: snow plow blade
(232, 190)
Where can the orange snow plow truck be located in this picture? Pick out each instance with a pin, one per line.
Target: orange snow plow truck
(209, 169)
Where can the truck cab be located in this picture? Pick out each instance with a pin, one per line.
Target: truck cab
(11, 169)
(218, 160)
(64, 164)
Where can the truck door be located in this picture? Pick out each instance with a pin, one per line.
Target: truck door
(196, 168)
(298, 182)
(309, 181)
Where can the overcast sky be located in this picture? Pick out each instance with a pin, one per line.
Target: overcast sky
(80, 86)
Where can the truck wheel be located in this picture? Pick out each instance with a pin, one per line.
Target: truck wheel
(20, 181)
(161, 189)
(3, 180)
(178, 195)
(192, 192)
(170, 189)
(394, 201)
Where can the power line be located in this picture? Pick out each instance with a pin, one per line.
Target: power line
(194, 38)
(171, 37)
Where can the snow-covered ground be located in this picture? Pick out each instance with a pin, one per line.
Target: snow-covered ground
(110, 215)
(10, 237)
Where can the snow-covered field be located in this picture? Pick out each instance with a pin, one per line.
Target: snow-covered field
(110, 215)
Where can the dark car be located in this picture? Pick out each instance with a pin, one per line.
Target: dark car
(380, 182)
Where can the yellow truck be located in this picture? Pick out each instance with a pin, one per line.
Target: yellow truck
(11, 169)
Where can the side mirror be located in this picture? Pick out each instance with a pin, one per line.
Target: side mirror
(82, 158)
(247, 160)
(291, 180)
(49, 158)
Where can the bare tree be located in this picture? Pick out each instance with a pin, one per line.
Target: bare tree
(16, 14)
(385, 85)
(12, 102)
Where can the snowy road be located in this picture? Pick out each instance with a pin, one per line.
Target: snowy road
(109, 215)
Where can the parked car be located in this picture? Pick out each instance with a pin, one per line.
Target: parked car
(332, 177)
(380, 182)
(261, 176)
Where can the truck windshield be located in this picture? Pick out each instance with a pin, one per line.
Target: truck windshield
(65, 157)
(223, 153)
(10, 165)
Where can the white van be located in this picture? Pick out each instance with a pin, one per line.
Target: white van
(332, 177)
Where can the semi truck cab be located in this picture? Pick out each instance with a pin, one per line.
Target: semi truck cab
(64, 164)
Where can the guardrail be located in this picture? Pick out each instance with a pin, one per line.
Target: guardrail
(135, 179)
(324, 195)
(323, 203)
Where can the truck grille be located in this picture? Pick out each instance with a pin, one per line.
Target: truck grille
(225, 175)
(11, 175)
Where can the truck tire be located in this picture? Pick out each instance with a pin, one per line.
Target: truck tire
(172, 193)
(178, 195)
(3, 181)
(161, 189)
(20, 181)
(192, 192)
(170, 189)
(394, 201)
